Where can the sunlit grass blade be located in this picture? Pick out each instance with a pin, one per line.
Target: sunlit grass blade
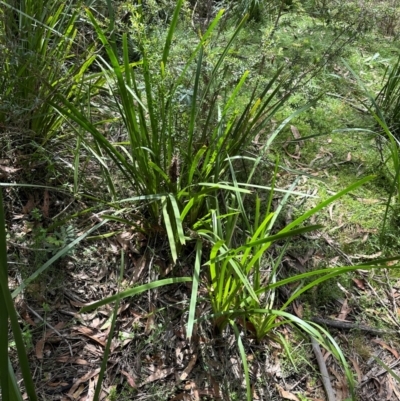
(323, 204)
(195, 286)
(136, 290)
(171, 31)
(222, 57)
(170, 230)
(243, 357)
(178, 221)
(193, 113)
(57, 256)
(203, 39)
(387, 368)
(283, 234)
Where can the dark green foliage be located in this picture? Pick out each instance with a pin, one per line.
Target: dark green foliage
(38, 59)
(388, 99)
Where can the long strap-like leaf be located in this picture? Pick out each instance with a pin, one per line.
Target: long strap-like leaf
(8, 311)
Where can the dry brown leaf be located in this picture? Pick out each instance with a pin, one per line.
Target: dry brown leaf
(396, 391)
(56, 384)
(369, 201)
(298, 309)
(373, 256)
(345, 388)
(77, 304)
(78, 361)
(140, 265)
(39, 348)
(247, 325)
(340, 385)
(30, 205)
(188, 368)
(330, 209)
(89, 333)
(103, 271)
(126, 240)
(58, 327)
(5, 170)
(40, 344)
(326, 354)
(384, 345)
(25, 315)
(83, 379)
(336, 374)
(78, 392)
(359, 283)
(68, 359)
(334, 261)
(91, 389)
(389, 388)
(215, 387)
(344, 310)
(96, 322)
(295, 132)
(357, 369)
(157, 375)
(181, 397)
(255, 395)
(195, 392)
(150, 323)
(123, 308)
(130, 379)
(287, 395)
(295, 156)
(93, 350)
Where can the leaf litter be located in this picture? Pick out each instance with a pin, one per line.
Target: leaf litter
(150, 352)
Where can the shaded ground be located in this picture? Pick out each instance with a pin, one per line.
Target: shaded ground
(150, 355)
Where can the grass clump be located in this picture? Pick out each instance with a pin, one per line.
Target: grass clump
(190, 144)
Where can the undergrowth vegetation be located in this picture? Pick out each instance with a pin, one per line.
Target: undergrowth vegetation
(213, 139)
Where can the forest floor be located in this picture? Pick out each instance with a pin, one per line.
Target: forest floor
(150, 356)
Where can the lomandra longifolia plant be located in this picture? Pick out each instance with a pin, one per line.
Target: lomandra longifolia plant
(175, 173)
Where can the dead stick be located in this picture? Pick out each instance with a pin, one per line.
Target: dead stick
(324, 371)
(338, 324)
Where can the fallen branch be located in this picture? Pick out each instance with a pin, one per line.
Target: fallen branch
(339, 324)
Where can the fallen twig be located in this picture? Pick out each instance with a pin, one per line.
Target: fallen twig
(324, 371)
